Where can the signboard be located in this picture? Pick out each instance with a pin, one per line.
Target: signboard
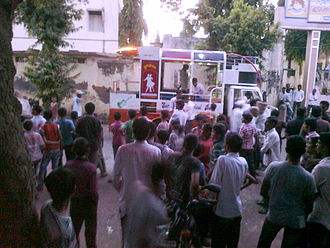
(319, 11)
(124, 101)
(304, 15)
(296, 9)
(149, 79)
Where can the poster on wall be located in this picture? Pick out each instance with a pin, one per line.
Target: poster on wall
(296, 8)
(319, 11)
(149, 79)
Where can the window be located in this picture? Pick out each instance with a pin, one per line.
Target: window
(248, 78)
(95, 21)
(174, 75)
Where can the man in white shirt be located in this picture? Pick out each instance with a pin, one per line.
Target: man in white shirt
(298, 97)
(312, 100)
(199, 88)
(271, 146)
(190, 111)
(37, 120)
(319, 220)
(236, 118)
(133, 163)
(76, 104)
(281, 94)
(179, 114)
(288, 93)
(230, 172)
(174, 99)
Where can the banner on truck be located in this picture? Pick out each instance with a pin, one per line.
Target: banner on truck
(149, 79)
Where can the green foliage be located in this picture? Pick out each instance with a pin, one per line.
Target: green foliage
(131, 23)
(234, 26)
(50, 72)
(295, 45)
(49, 22)
(173, 5)
(325, 42)
(296, 42)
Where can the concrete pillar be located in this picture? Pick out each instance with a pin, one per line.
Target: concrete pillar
(312, 52)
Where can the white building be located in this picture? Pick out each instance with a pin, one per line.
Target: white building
(98, 29)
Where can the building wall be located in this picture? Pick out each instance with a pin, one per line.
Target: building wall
(98, 77)
(83, 40)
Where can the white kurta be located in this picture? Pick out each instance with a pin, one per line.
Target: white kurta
(272, 143)
(76, 105)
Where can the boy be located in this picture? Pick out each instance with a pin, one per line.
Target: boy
(230, 172)
(56, 224)
(248, 132)
(37, 120)
(206, 144)
(163, 136)
(127, 127)
(318, 220)
(200, 122)
(218, 133)
(66, 128)
(35, 144)
(164, 125)
(144, 112)
(84, 202)
(214, 115)
(118, 137)
(290, 191)
(147, 211)
(175, 141)
(52, 138)
(309, 127)
(179, 114)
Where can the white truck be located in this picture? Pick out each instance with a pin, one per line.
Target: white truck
(225, 78)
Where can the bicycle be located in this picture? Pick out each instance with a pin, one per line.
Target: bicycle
(183, 227)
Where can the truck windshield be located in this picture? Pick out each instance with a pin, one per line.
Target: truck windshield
(206, 74)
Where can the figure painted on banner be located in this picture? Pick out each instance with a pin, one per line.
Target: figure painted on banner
(150, 83)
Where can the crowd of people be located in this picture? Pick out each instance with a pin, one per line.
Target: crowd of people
(172, 157)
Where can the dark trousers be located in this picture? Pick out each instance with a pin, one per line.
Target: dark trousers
(123, 222)
(188, 126)
(69, 154)
(318, 235)
(101, 163)
(115, 149)
(291, 237)
(248, 154)
(296, 105)
(225, 232)
(85, 211)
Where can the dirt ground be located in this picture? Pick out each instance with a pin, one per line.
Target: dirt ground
(109, 232)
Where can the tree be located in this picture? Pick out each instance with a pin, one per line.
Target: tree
(295, 46)
(18, 220)
(296, 42)
(131, 23)
(238, 26)
(49, 70)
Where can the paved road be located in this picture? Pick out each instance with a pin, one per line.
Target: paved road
(109, 233)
